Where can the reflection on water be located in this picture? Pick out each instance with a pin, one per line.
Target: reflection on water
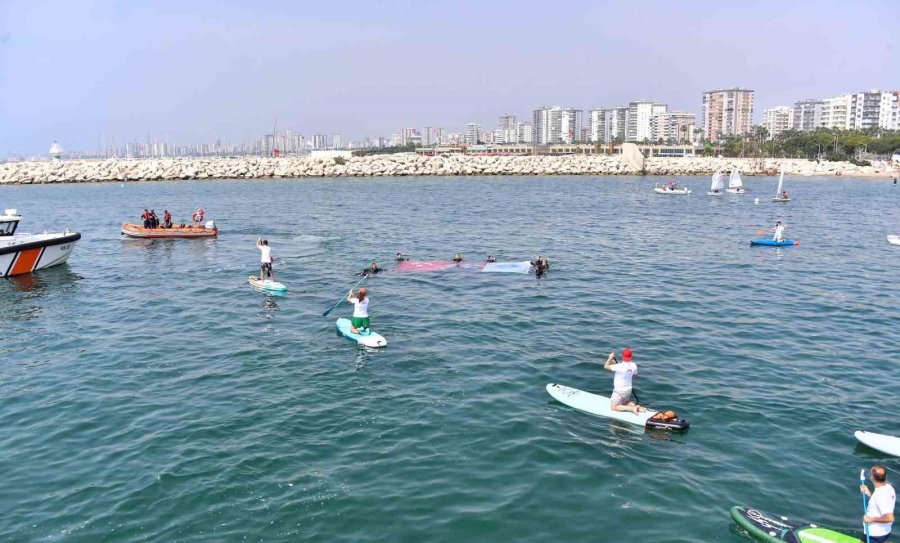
(20, 294)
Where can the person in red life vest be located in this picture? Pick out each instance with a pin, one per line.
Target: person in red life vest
(197, 216)
(167, 219)
(145, 216)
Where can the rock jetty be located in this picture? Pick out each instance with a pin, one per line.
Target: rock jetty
(409, 164)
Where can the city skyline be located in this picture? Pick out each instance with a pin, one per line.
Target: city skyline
(81, 73)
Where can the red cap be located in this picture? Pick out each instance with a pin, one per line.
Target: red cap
(362, 291)
(626, 355)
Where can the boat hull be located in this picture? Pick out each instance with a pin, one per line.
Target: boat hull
(36, 252)
(675, 192)
(176, 232)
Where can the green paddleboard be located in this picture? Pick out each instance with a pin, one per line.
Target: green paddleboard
(774, 529)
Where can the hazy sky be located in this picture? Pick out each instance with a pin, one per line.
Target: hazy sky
(76, 71)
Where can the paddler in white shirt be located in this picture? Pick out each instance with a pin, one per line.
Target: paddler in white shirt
(880, 511)
(360, 319)
(265, 259)
(779, 231)
(625, 372)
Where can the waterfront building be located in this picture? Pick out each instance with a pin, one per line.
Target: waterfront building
(618, 122)
(807, 115)
(836, 112)
(507, 122)
(597, 123)
(727, 112)
(672, 127)
(777, 120)
(473, 133)
(336, 141)
(637, 119)
(524, 132)
(873, 109)
(555, 124)
(432, 135)
(319, 141)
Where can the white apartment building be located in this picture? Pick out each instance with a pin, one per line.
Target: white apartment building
(608, 124)
(473, 132)
(524, 132)
(807, 115)
(873, 109)
(555, 124)
(637, 120)
(675, 127)
(836, 112)
(777, 120)
(727, 112)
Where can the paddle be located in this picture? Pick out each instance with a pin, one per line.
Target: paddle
(325, 314)
(862, 481)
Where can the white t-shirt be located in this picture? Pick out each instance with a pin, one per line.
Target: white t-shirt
(266, 256)
(880, 504)
(624, 372)
(779, 232)
(360, 307)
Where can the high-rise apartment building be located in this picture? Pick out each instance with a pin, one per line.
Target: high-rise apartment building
(473, 133)
(873, 109)
(336, 141)
(320, 141)
(836, 112)
(777, 120)
(598, 125)
(507, 122)
(554, 124)
(807, 115)
(637, 120)
(672, 127)
(432, 136)
(727, 112)
(524, 133)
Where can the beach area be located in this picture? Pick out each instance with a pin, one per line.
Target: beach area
(410, 164)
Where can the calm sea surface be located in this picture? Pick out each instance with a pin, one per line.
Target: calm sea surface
(147, 393)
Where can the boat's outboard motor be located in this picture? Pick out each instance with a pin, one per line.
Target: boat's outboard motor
(211, 225)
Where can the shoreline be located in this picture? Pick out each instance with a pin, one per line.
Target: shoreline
(407, 164)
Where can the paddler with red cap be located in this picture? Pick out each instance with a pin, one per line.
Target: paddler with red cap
(360, 319)
(625, 372)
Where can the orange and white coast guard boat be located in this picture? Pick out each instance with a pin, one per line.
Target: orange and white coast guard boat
(25, 253)
(209, 230)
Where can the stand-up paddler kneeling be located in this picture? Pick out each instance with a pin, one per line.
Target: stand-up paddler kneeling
(625, 372)
(360, 319)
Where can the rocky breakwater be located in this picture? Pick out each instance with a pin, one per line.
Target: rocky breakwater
(408, 164)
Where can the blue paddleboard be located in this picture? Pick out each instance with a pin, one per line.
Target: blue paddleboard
(366, 337)
(773, 243)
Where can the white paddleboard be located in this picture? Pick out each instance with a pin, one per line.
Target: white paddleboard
(507, 267)
(266, 284)
(880, 442)
(596, 404)
(367, 338)
(893, 239)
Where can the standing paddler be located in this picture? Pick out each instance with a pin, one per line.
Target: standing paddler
(265, 259)
(880, 512)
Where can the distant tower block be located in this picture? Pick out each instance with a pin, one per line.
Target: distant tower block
(55, 152)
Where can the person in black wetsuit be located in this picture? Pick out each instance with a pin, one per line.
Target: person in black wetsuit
(491, 258)
(457, 258)
(371, 270)
(541, 266)
(154, 220)
(400, 257)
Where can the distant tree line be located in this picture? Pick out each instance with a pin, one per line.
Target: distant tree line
(823, 143)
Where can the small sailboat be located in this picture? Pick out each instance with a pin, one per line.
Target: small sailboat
(735, 186)
(718, 184)
(780, 194)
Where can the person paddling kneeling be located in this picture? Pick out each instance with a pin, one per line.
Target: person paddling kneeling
(625, 372)
(360, 319)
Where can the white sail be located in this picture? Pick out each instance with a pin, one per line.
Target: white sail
(734, 182)
(780, 184)
(717, 182)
